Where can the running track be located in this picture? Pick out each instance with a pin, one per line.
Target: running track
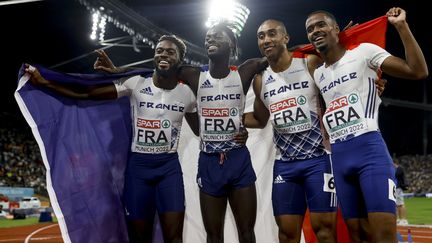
(50, 233)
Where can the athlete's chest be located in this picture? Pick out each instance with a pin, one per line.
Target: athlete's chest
(220, 91)
(344, 76)
(152, 101)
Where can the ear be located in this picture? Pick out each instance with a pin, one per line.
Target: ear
(231, 45)
(287, 38)
(337, 28)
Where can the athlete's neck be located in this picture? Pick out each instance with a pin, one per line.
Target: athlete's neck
(281, 62)
(219, 68)
(332, 55)
(161, 82)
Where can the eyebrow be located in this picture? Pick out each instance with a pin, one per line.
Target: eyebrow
(167, 49)
(264, 31)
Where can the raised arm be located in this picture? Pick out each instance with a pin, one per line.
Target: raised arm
(97, 92)
(104, 63)
(414, 66)
(249, 68)
(259, 117)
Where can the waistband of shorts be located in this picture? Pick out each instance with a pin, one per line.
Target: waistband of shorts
(153, 157)
(319, 157)
(355, 142)
(233, 150)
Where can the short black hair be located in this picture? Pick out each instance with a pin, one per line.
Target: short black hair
(226, 27)
(328, 14)
(279, 23)
(177, 41)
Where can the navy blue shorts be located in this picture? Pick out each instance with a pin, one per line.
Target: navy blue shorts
(153, 182)
(218, 179)
(364, 176)
(300, 184)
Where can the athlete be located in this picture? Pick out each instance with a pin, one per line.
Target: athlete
(153, 177)
(225, 171)
(362, 166)
(285, 92)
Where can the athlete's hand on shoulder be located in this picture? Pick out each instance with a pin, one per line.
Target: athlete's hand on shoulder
(104, 63)
(35, 77)
(396, 16)
(380, 85)
(241, 137)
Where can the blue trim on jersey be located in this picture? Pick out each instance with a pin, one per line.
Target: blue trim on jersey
(371, 101)
(204, 68)
(374, 98)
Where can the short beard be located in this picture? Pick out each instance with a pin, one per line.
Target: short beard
(172, 71)
(322, 49)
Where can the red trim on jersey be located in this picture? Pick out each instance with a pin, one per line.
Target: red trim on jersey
(299, 54)
(233, 68)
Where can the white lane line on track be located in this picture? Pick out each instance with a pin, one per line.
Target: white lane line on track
(37, 231)
(11, 240)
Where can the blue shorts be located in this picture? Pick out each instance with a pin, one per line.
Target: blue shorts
(301, 181)
(364, 176)
(218, 179)
(153, 182)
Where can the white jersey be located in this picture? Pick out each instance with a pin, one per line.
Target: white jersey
(292, 100)
(157, 113)
(349, 91)
(220, 105)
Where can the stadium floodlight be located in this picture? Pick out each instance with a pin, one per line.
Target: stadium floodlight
(94, 25)
(98, 25)
(140, 29)
(228, 11)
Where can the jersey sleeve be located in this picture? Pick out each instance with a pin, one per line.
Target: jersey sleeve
(126, 85)
(374, 55)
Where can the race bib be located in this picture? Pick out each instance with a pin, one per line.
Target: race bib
(219, 124)
(291, 115)
(153, 136)
(344, 116)
(329, 184)
(391, 190)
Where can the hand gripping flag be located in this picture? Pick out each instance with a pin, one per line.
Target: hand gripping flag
(84, 146)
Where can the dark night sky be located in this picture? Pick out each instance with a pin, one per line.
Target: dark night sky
(52, 31)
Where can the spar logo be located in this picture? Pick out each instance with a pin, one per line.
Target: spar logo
(149, 124)
(342, 102)
(215, 112)
(282, 105)
(153, 124)
(234, 112)
(338, 103)
(301, 100)
(353, 98)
